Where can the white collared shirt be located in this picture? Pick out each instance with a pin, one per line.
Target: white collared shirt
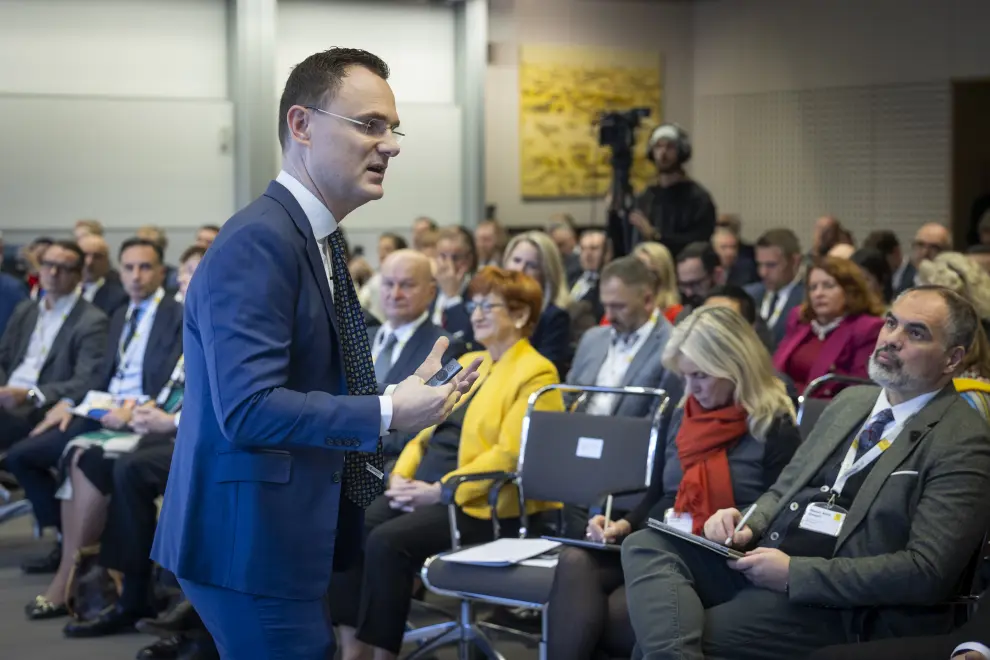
(323, 224)
(128, 379)
(90, 289)
(621, 352)
(46, 329)
(402, 335)
(903, 412)
(772, 315)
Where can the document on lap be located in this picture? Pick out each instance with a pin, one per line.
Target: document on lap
(97, 404)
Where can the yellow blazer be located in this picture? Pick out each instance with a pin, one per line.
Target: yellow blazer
(492, 430)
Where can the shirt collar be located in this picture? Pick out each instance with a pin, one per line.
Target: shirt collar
(64, 304)
(319, 216)
(143, 305)
(405, 331)
(902, 411)
(627, 341)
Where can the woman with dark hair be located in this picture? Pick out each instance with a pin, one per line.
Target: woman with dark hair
(835, 329)
(876, 270)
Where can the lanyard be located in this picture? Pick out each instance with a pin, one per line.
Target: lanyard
(40, 328)
(124, 357)
(178, 377)
(851, 466)
(779, 305)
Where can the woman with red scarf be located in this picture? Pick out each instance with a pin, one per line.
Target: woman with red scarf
(726, 443)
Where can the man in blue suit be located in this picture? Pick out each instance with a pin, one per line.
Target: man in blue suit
(279, 445)
(780, 289)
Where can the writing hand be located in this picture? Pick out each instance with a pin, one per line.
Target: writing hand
(722, 525)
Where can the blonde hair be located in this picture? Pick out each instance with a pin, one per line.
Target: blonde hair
(661, 263)
(960, 274)
(724, 345)
(553, 282)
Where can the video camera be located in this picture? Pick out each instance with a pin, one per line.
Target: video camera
(618, 129)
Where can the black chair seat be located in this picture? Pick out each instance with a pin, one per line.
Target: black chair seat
(524, 584)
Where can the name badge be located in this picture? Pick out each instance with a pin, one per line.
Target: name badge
(823, 519)
(682, 521)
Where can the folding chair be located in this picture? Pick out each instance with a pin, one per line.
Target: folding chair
(810, 408)
(573, 458)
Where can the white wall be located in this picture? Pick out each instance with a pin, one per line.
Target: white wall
(417, 42)
(662, 27)
(101, 101)
(804, 108)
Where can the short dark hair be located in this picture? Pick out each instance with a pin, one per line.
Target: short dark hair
(747, 307)
(142, 242)
(875, 263)
(963, 322)
(700, 250)
(317, 78)
(397, 241)
(631, 271)
(72, 247)
(192, 251)
(883, 240)
(782, 238)
(213, 228)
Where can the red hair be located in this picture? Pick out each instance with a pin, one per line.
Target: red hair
(517, 290)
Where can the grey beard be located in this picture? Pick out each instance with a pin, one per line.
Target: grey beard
(885, 376)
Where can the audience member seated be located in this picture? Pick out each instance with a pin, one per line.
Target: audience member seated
(746, 252)
(370, 295)
(157, 235)
(188, 263)
(593, 257)
(876, 270)
(781, 288)
(426, 243)
(490, 239)
(408, 523)
(698, 272)
(112, 500)
(421, 226)
(205, 236)
(455, 265)
(97, 286)
(842, 251)
(52, 349)
(834, 331)
(656, 257)
(562, 230)
(864, 534)
(406, 338)
(87, 227)
(145, 342)
(828, 233)
(31, 257)
(534, 254)
(931, 240)
(726, 444)
(12, 292)
(901, 270)
(736, 269)
(957, 273)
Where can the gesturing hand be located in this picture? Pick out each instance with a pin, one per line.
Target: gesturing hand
(416, 406)
(765, 567)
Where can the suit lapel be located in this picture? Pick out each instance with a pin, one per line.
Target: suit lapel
(904, 445)
(645, 356)
(788, 344)
(63, 334)
(152, 355)
(596, 358)
(30, 321)
(402, 366)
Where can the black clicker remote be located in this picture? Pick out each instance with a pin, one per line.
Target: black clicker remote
(443, 376)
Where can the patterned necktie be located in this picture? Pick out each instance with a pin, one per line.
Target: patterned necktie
(872, 434)
(384, 362)
(360, 485)
(131, 329)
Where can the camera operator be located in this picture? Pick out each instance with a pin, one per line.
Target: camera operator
(676, 210)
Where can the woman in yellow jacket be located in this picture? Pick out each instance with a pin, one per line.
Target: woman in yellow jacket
(408, 524)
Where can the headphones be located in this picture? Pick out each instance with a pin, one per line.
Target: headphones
(670, 131)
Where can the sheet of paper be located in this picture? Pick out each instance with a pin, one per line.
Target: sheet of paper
(503, 552)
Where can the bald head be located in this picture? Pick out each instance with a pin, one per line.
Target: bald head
(407, 286)
(97, 257)
(931, 240)
(842, 251)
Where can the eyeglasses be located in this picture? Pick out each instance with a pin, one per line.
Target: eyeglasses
(376, 128)
(485, 306)
(62, 268)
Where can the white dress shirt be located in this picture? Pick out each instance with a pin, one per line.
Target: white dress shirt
(90, 289)
(324, 224)
(621, 352)
(772, 315)
(402, 335)
(128, 379)
(46, 329)
(902, 412)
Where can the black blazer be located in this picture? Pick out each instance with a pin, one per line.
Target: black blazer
(552, 338)
(164, 347)
(74, 362)
(110, 297)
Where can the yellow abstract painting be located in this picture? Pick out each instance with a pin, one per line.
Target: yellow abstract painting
(563, 90)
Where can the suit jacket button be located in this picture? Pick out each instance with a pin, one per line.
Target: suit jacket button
(335, 478)
(331, 442)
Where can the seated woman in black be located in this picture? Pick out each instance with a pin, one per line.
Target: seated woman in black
(725, 445)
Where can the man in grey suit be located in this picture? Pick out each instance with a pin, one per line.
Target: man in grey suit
(52, 349)
(399, 346)
(780, 289)
(865, 532)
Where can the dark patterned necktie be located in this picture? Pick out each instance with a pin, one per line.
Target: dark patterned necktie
(361, 485)
(871, 434)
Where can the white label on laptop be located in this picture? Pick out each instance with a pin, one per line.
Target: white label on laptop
(681, 521)
(590, 447)
(823, 519)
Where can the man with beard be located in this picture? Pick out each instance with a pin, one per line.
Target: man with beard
(675, 210)
(866, 532)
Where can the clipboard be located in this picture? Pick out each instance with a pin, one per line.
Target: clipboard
(717, 548)
(585, 543)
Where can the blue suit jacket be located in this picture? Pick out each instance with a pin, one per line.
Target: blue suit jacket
(12, 291)
(254, 491)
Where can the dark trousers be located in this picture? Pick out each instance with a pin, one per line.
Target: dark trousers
(260, 628)
(686, 603)
(138, 478)
(33, 461)
(376, 602)
(587, 611)
(16, 424)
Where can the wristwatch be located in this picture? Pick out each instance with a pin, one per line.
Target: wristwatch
(33, 398)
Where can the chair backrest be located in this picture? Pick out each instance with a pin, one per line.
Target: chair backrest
(810, 408)
(577, 458)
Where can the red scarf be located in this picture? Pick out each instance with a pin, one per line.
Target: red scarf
(702, 442)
